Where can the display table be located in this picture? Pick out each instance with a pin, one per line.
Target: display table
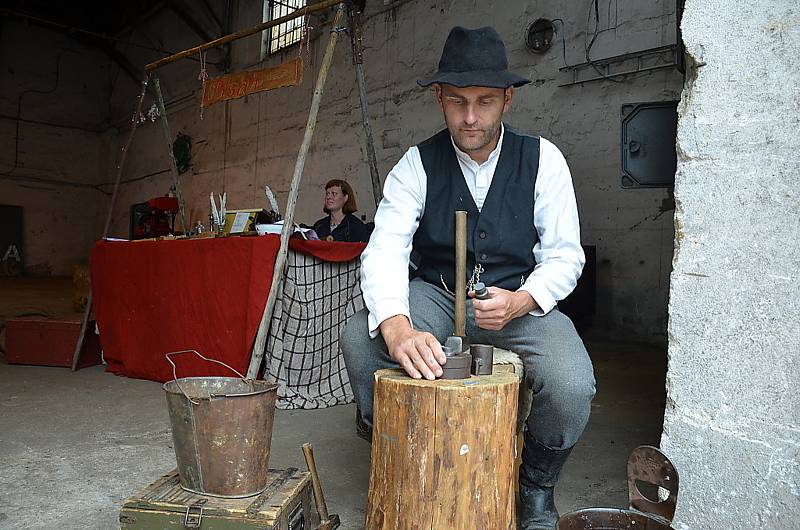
(155, 297)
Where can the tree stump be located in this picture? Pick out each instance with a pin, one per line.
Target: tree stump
(443, 453)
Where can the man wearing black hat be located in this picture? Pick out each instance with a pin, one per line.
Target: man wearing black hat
(523, 241)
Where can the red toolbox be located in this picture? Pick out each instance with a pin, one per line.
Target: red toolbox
(50, 341)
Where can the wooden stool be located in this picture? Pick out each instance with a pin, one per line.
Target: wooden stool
(443, 453)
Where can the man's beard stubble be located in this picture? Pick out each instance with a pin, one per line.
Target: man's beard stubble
(475, 143)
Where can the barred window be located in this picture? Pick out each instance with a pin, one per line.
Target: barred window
(283, 35)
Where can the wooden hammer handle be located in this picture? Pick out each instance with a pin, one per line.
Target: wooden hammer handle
(319, 498)
(461, 275)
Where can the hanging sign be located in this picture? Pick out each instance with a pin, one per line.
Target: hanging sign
(241, 84)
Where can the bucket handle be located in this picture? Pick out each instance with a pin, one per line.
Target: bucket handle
(175, 374)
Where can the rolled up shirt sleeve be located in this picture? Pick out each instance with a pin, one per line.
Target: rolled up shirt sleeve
(384, 263)
(558, 253)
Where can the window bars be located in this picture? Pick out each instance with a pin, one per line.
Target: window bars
(286, 34)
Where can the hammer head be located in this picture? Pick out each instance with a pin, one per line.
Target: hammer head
(454, 345)
(331, 524)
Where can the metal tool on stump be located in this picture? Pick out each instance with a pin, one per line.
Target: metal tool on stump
(482, 358)
(459, 361)
(326, 522)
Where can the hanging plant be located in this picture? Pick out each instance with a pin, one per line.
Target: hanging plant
(182, 150)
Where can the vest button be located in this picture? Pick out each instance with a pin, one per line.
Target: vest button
(482, 235)
(483, 257)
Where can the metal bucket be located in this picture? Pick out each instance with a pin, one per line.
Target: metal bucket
(610, 519)
(647, 466)
(222, 431)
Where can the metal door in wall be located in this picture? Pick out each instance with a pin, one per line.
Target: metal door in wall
(12, 256)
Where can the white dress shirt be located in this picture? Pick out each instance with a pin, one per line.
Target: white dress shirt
(558, 253)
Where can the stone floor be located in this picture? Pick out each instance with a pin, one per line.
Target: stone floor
(73, 446)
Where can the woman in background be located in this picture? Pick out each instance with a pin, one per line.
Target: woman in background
(340, 224)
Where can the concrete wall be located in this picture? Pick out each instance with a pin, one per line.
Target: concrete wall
(53, 149)
(243, 144)
(732, 423)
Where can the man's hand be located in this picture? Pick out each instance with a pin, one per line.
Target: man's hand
(501, 307)
(418, 352)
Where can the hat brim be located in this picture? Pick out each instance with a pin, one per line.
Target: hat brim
(486, 78)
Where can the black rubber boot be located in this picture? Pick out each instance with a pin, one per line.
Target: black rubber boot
(363, 430)
(538, 475)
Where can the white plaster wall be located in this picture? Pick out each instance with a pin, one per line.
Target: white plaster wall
(62, 149)
(732, 424)
(243, 144)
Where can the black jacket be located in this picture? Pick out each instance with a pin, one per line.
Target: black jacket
(350, 230)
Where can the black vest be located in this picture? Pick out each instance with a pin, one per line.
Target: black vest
(500, 237)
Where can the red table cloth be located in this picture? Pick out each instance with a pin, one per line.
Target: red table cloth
(155, 297)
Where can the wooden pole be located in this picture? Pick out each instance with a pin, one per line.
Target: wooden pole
(288, 221)
(134, 123)
(320, 6)
(356, 40)
(461, 275)
(172, 165)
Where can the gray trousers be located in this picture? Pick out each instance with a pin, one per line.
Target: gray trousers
(557, 367)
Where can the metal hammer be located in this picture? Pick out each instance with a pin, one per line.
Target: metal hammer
(456, 347)
(326, 522)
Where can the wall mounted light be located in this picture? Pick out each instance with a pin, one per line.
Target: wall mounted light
(540, 35)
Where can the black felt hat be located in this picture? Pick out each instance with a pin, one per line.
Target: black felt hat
(474, 57)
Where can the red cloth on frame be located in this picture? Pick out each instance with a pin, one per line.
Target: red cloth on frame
(327, 250)
(154, 297)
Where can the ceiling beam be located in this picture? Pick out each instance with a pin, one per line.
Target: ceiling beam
(157, 8)
(88, 38)
(213, 15)
(183, 12)
(125, 64)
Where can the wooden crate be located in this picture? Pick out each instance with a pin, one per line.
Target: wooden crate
(50, 341)
(286, 504)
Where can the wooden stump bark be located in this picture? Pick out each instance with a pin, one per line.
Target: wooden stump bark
(443, 453)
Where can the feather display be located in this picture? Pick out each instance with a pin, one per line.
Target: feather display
(214, 212)
(273, 203)
(223, 210)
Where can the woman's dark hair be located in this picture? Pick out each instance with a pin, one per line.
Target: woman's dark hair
(350, 205)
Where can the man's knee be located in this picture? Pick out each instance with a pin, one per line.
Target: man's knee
(362, 355)
(566, 383)
(561, 410)
(574, 396)
(355, 333)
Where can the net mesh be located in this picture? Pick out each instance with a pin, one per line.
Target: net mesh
(303, 357)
